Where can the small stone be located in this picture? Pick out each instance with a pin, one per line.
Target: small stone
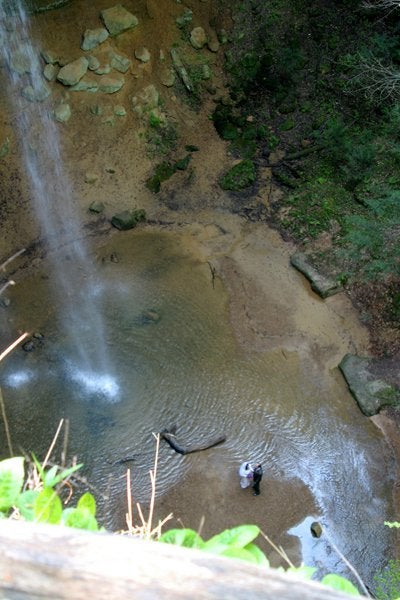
(62, 113)
(96, 207)
(128, 219)
(96, 109)
(142, 54)
(198, 38)
(20, 63)
(167, 77)
(316, 529)
(120, 110)
(91, 177)
(38, 94)
(212, 41)
(117, 19)
(50, 57)
(94, 63)
(93, 37)
(50, 72)
(28, 346)
(104, 69)
(119, 62)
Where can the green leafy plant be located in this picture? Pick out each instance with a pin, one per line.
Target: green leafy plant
(38, 498)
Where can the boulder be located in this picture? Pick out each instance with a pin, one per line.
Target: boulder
(93, 37)
(110, 84)
(146, 100)
(73, 71)
(322, 285)
(94, 63)
(20, 63)
(370, 392)
(128, 219)
(117, 19)
(50, 57)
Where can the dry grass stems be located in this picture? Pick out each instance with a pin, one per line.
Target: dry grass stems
(144, 529)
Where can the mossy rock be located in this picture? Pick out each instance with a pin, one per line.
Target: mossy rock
(287, 125)
(128, 219)
(241, 176)
(162, 172)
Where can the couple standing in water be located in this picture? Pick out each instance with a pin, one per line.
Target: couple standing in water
(250, 475)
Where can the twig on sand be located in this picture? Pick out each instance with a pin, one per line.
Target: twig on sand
(7, 262)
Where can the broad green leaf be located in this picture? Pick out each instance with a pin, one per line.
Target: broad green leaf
(88, 503)
(258, 554)
(304, 572)
(48, 507)
(182, 537)
(11, 481)
(80, 518)
(26, 503)
(239, 553)
(340, 583)
(237, 537)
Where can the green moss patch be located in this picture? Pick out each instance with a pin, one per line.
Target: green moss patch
(241, 176)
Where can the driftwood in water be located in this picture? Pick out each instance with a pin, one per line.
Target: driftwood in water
(50, 562)
(170, 438)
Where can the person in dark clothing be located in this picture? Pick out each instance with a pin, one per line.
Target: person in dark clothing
(257, 476)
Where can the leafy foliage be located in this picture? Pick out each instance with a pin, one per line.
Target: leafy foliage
(42, 503)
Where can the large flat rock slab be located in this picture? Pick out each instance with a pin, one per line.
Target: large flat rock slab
(322, 285)
(370, 387)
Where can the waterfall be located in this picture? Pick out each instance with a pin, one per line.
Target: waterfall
(76, 288)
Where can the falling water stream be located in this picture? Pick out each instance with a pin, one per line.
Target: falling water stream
(134, 339)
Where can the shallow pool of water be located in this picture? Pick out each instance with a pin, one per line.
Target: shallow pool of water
(173, 361)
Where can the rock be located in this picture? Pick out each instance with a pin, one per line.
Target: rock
(73, 71)
(103, 69)
(370, 392)
(198, 38)
(322, 285)
(185, 18)
(50, 57)
(94, 63)
(128, 219)
(91, 177)
(96, 207)
(167, 77)
(117, 19)
(110, 84)
(62, 113)
(120, 110)
(37, 93)
(142, 54)
(93, 37)
(20, 63)
(86, 84)
(28, 346)
(119, 62)
(222, 36)
(212, 41)
(50, 72)
(181, 70)
(316, 529)
(96, 110)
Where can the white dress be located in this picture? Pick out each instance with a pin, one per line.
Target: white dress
(245, 474)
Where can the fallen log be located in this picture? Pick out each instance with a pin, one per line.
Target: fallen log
(171, 440)
(51, 562)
